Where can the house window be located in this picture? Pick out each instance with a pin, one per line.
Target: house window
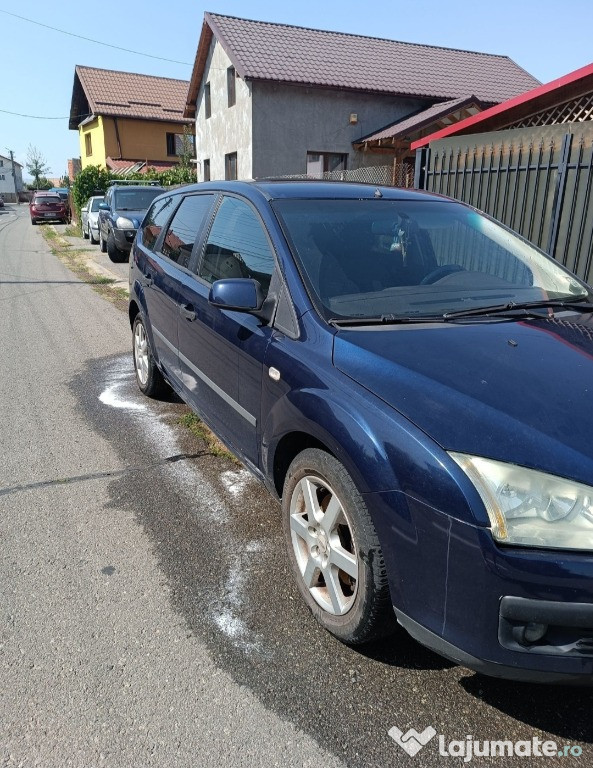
(1, 163)
(230, 166)
(88, 144)
(207, 102)
(180, 143)
(230, 86)
(319, 163)
(206, 170)
(2, 177)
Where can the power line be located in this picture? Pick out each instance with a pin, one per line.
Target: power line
(40, 117)
(90, 40)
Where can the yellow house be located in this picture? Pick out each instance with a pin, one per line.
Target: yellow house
(129, 122)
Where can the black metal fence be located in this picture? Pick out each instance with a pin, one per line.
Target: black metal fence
(538, 181)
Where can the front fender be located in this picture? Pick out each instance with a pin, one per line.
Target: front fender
(381, 450)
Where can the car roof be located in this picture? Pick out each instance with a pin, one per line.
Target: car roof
(274, 189)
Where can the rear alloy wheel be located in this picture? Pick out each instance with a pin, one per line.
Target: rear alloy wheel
(92, 238)
(150, 379)
(113, 251)
(85, 233)
(102, 243)
(334, 549)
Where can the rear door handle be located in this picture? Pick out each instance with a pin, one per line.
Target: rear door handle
(187, 311)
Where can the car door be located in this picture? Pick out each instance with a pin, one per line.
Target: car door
(167, 240)
(221, 352)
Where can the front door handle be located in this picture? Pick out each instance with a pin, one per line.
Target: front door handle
(187, 311)
(147, 279)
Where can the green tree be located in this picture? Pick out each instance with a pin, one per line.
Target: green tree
(36, 165)
(93, 180)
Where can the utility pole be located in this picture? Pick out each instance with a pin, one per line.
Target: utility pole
(16, 192)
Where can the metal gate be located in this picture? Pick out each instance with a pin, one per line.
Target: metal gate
(537, 181)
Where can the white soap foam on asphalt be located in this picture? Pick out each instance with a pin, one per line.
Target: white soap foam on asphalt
(199, 494)
(225, 615)
(236, 482)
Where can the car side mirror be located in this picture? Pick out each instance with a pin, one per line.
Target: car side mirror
(240, 294)
(103, 207)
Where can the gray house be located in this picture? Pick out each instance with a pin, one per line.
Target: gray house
(272, 99)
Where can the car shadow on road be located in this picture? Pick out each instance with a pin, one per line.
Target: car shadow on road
(401, 650)
(558, 709)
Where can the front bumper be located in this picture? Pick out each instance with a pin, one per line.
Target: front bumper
(124, 238)
(518, 613)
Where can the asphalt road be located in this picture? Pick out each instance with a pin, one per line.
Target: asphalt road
(148, 617)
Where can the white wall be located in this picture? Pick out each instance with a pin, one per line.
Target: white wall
(7, 183)
(228, 129)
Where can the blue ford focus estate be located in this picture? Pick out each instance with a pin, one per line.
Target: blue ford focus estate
(414, 382)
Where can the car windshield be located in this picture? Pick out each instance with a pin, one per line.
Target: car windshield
(414, 259)
(135, 199)
(95, 203)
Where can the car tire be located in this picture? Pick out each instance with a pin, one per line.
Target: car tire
(113, 251)
(102, 243)
(334, 550)
(33, 221)
(92, 238)
(148, 377)
(85, 233)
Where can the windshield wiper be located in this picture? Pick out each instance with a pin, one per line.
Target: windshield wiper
(349, 322)
(523, 308)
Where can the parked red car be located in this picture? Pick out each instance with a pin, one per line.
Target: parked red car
(47, 207)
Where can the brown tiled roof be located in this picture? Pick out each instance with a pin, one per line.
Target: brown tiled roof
(278, 52)
(420, 119)
(126, 94)
(138, 166)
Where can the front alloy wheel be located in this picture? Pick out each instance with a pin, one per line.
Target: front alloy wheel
(323, 545)
(334, 549)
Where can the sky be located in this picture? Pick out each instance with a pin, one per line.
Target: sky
(548, 39)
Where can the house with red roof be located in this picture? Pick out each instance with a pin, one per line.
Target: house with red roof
(273, 99)
(129, 122)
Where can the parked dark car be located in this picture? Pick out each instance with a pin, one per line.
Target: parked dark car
(1, 202)
(120, 215)
(413, 381)
(45, 206)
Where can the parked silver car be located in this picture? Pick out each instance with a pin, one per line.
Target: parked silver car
(90, 218)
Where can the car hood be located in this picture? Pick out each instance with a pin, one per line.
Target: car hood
(135, 216)
(514, 391)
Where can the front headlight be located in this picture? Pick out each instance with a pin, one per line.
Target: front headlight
(530, 508)
(123, 223)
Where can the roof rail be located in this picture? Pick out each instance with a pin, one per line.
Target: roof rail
(149, 183)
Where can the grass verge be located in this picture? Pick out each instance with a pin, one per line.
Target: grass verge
(76, 262)
(197, 427)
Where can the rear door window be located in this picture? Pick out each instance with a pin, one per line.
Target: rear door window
(185, 227)
(155, 220)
